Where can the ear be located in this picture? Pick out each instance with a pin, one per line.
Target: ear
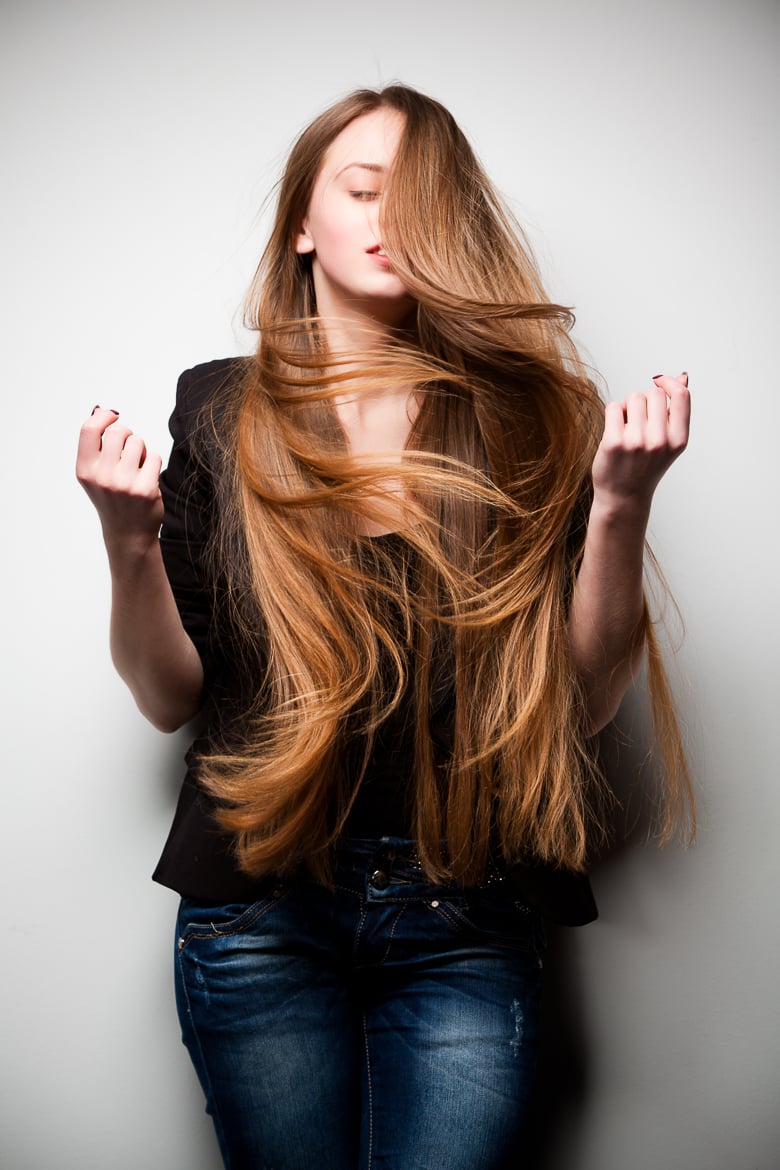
(303, 241)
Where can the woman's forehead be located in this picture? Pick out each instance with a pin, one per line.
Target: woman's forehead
(369, 142)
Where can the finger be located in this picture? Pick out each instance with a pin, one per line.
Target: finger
(614, 423)
(133, 452)
(101, 417)
(679, 397)
(636, 420)
(92, 432)
(148, 478)
(657, 418)
(113, 440)
(680, 418)
(668, 383)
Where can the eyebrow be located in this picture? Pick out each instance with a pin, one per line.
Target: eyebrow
(363, 166)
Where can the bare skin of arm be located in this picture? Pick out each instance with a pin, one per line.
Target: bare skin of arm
(149, 646)
(642, 438)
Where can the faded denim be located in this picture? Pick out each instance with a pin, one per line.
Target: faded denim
(384, 1025)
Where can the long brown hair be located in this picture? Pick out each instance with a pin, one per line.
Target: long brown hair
(496, 481)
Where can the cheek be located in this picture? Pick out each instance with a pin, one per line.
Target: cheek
(339, 226)
(340, 231)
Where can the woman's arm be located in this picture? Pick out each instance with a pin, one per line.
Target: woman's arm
(642, 438)
(149, 645)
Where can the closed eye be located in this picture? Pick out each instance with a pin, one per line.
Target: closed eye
(365, 195)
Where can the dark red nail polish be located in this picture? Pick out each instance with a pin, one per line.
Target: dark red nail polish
(657, 376)
(94, 408)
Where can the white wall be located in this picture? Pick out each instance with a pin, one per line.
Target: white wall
(638, 143)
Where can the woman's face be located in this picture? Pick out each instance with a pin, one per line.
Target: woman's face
(341, 230)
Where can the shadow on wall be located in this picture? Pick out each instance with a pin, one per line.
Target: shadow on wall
(563, 1085)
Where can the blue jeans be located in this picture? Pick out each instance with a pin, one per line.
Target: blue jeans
(386, 1023)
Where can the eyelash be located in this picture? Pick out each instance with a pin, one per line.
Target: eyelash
(364, 196)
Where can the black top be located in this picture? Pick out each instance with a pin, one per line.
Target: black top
(197, 860)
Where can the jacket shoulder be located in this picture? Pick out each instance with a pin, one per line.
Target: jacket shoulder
(201, 383)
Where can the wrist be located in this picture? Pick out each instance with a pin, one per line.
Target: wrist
(130, 553)
(617, 510)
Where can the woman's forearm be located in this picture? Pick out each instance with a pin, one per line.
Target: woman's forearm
(149, 646)
(607, 608)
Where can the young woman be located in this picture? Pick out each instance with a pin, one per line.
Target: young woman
(400, 575)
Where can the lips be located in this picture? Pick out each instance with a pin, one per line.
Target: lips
(381, 257)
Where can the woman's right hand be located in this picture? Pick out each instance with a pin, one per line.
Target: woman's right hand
(122, 479)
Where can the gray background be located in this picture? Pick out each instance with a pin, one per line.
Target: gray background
(637, 143)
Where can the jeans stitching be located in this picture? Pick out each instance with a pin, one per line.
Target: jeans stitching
(398, 918)
(370, 1089)
(415, 899)
(460, 922)
(191, 934)
(359, 927)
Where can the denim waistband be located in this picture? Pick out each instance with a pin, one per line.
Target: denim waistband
(397, 857)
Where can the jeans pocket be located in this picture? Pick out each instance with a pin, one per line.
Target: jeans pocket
(494, 917)
(210, 920)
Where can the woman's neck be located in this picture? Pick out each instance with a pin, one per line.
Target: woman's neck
(353, 334)
(376, 420)
(377, 423)
(376, 426)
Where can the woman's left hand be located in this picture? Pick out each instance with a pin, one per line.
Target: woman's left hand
(642, 438)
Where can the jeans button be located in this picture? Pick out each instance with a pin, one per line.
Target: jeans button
(379, 879)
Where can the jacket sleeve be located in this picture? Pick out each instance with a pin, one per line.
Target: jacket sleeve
(188, 497)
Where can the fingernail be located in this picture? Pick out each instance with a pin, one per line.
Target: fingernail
(94, 408)
(116, 412)
(657, 376)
